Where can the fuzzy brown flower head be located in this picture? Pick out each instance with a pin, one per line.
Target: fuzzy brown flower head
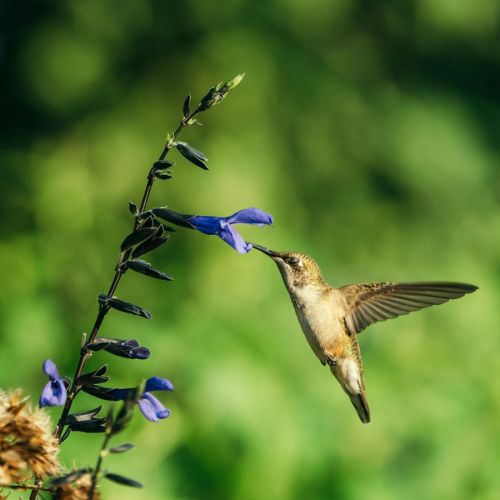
(78, 490)
(27, 446)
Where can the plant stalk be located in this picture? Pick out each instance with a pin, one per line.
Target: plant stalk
(85, 354)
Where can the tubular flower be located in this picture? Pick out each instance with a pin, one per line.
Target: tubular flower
(223, 226)
(149, 405)
(54, 393)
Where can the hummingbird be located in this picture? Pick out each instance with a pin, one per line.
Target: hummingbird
(331, 318)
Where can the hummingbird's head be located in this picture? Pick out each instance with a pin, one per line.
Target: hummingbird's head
(297, 269)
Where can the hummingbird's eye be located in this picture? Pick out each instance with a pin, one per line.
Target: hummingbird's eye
(293, 261)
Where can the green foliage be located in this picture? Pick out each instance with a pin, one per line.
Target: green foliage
(369, 131)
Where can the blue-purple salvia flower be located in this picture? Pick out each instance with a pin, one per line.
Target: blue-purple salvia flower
(222, 226)
(150, 406)
(54, 393)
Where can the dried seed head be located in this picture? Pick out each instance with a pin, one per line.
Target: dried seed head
(78, 490)
(27, 446)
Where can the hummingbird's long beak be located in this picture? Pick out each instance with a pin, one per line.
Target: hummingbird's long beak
(265, 250)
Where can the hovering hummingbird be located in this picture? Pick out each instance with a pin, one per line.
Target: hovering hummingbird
(332, 317)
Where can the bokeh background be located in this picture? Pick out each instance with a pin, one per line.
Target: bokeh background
(368, 129)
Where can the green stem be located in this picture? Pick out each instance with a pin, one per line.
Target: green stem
(84, 353)
(97, 468)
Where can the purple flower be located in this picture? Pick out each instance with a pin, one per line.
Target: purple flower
(150, 406)
(54, 393)
(222, 226)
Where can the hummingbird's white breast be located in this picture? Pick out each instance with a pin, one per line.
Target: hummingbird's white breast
(320, 313)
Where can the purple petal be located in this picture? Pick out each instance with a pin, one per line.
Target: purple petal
(233, 238)
(253, 216)
(206, 224)
(140, 353)
(152, 408)
(53, 394)
(50, 369)
(131, 343)
(158, 384)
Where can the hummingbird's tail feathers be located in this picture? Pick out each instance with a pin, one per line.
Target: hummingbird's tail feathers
(361, 404)
(350, 376)
(367, 304)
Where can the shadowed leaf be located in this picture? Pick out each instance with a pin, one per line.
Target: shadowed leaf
(193, 155)
(122, 448)
(132, 207)
(159, 238)
(121, 305)
(162, 164)
(186, 107)
(143, 267)
(125, 481)
(136, 237)
(95, 377)
(105, 393)
(173, 217)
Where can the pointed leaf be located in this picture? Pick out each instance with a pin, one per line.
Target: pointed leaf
(163, 175)
(95, 377)
(193, 155)
(162, 164)
(93, 425)
(105, 393)
(121, 305)
(84, 415)
(122, 448)
(125, 481)
(136, 237)
(97, 346)
(186, 108)
(132, 207)
(150, 244)
(129, 349)
(173, 217)
(143, 267)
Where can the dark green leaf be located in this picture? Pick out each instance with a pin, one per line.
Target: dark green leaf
(162, 164)
(121, 305)
(129, 349)
(132, 207)
(143, 267)
(136, 237)
(147, 246)
(173, 217)
(122, 448)
(83, 416)
(186, 108)
(92, 425)
(95, 377)
(97, 346)
(125, 481)
(193, 155)
(97, 391)
(163, 175)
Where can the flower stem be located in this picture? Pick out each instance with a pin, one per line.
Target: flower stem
(98, 465)
(103, 310)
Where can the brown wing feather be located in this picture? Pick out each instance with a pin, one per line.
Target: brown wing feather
(367, 304)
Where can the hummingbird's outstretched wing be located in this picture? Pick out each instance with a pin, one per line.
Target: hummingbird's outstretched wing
(367, 304)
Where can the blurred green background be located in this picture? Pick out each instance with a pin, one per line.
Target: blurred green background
(368, 129)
